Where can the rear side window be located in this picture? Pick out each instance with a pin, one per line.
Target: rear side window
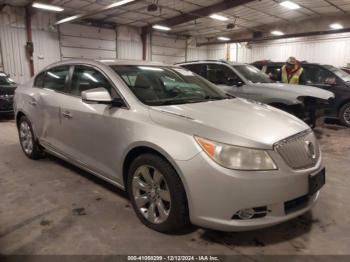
(56, 78)
(85, 78)
(196, 68)
(39, 80)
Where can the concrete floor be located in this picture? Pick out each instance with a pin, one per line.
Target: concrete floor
(50, 207)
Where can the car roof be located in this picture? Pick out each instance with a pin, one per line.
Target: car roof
(108, 62)
(210, 61)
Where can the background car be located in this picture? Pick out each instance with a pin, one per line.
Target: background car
(7, 90)
(322, 76)
(346, 69)
(248, 82)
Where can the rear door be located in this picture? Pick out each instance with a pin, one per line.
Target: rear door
(53, 88)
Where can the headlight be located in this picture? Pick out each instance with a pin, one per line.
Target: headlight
(235, 157)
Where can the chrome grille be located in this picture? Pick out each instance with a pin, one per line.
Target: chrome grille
(299, 151)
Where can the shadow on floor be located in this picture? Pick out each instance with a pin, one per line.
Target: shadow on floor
(6, 117)
(88, 175)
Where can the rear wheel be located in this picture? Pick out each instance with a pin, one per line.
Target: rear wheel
(29, 143)
(157, 194)
(344, 114)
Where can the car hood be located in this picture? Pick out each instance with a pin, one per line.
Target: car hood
(298, 90)
(233, 121)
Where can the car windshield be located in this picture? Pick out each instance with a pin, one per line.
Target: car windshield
(339, 73)
(5, 80)
(252, 74)
(156, 86)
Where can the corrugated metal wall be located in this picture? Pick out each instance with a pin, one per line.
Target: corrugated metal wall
(216, 52)
(13, 40)
(129, 43)
(78, 41)
(168, 49)
(330, 49)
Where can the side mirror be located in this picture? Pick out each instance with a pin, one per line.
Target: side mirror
(101, 96)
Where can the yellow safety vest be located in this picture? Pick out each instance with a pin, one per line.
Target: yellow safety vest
(294, 79)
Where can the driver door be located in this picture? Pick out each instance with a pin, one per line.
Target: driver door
(91, 131)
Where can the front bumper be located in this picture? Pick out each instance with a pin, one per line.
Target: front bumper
(215, 193)
(6, 105)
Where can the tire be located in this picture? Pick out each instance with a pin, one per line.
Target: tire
(170, 188)
(28, 141)
(344, 114)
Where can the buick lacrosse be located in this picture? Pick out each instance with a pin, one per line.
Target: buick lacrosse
(183, 150)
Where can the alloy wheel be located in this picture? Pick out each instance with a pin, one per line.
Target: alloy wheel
(346, 115)
(151, 194)
(26, 137)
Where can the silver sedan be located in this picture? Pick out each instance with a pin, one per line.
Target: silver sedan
(183, 150)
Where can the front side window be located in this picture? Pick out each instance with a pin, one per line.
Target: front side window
(274, 72)
(39, 80)
(166, 85)
(56, 78)
(252, 74)
(318, 75)
(85, 78)
(339, 73)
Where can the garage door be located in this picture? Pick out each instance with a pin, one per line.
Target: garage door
(168, 49)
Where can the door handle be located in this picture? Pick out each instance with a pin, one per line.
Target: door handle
(33, 103)
(67, 114)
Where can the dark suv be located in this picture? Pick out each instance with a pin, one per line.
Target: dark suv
(323, 76)
(7, 91)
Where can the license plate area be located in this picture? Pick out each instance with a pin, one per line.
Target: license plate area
(316, 182)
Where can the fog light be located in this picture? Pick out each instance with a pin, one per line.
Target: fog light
(246, 213)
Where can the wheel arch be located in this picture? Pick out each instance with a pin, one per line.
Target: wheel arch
(19, 114)
(144, 148)
(346, 101)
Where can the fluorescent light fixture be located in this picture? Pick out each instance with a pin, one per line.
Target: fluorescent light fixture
(67, 19)
(150, 68)
(47, 7)
(222, 38)
(277, 32)
(119, 3)
(161, 27)
(218, 17)
(336, 26)
(290, 5)
(106, 61)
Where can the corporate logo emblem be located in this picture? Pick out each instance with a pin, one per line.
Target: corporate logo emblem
(310, 149)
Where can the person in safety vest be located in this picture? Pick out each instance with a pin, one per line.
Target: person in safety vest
(292, 72)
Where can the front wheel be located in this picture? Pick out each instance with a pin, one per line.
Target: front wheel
(157, 194)
(344, 114)
(29, 144)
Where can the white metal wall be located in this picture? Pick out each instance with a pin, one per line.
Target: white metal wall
(216, 52)
(78, 41)
(13, 40)
(329, 49)
(168, 49)
(129, 43)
